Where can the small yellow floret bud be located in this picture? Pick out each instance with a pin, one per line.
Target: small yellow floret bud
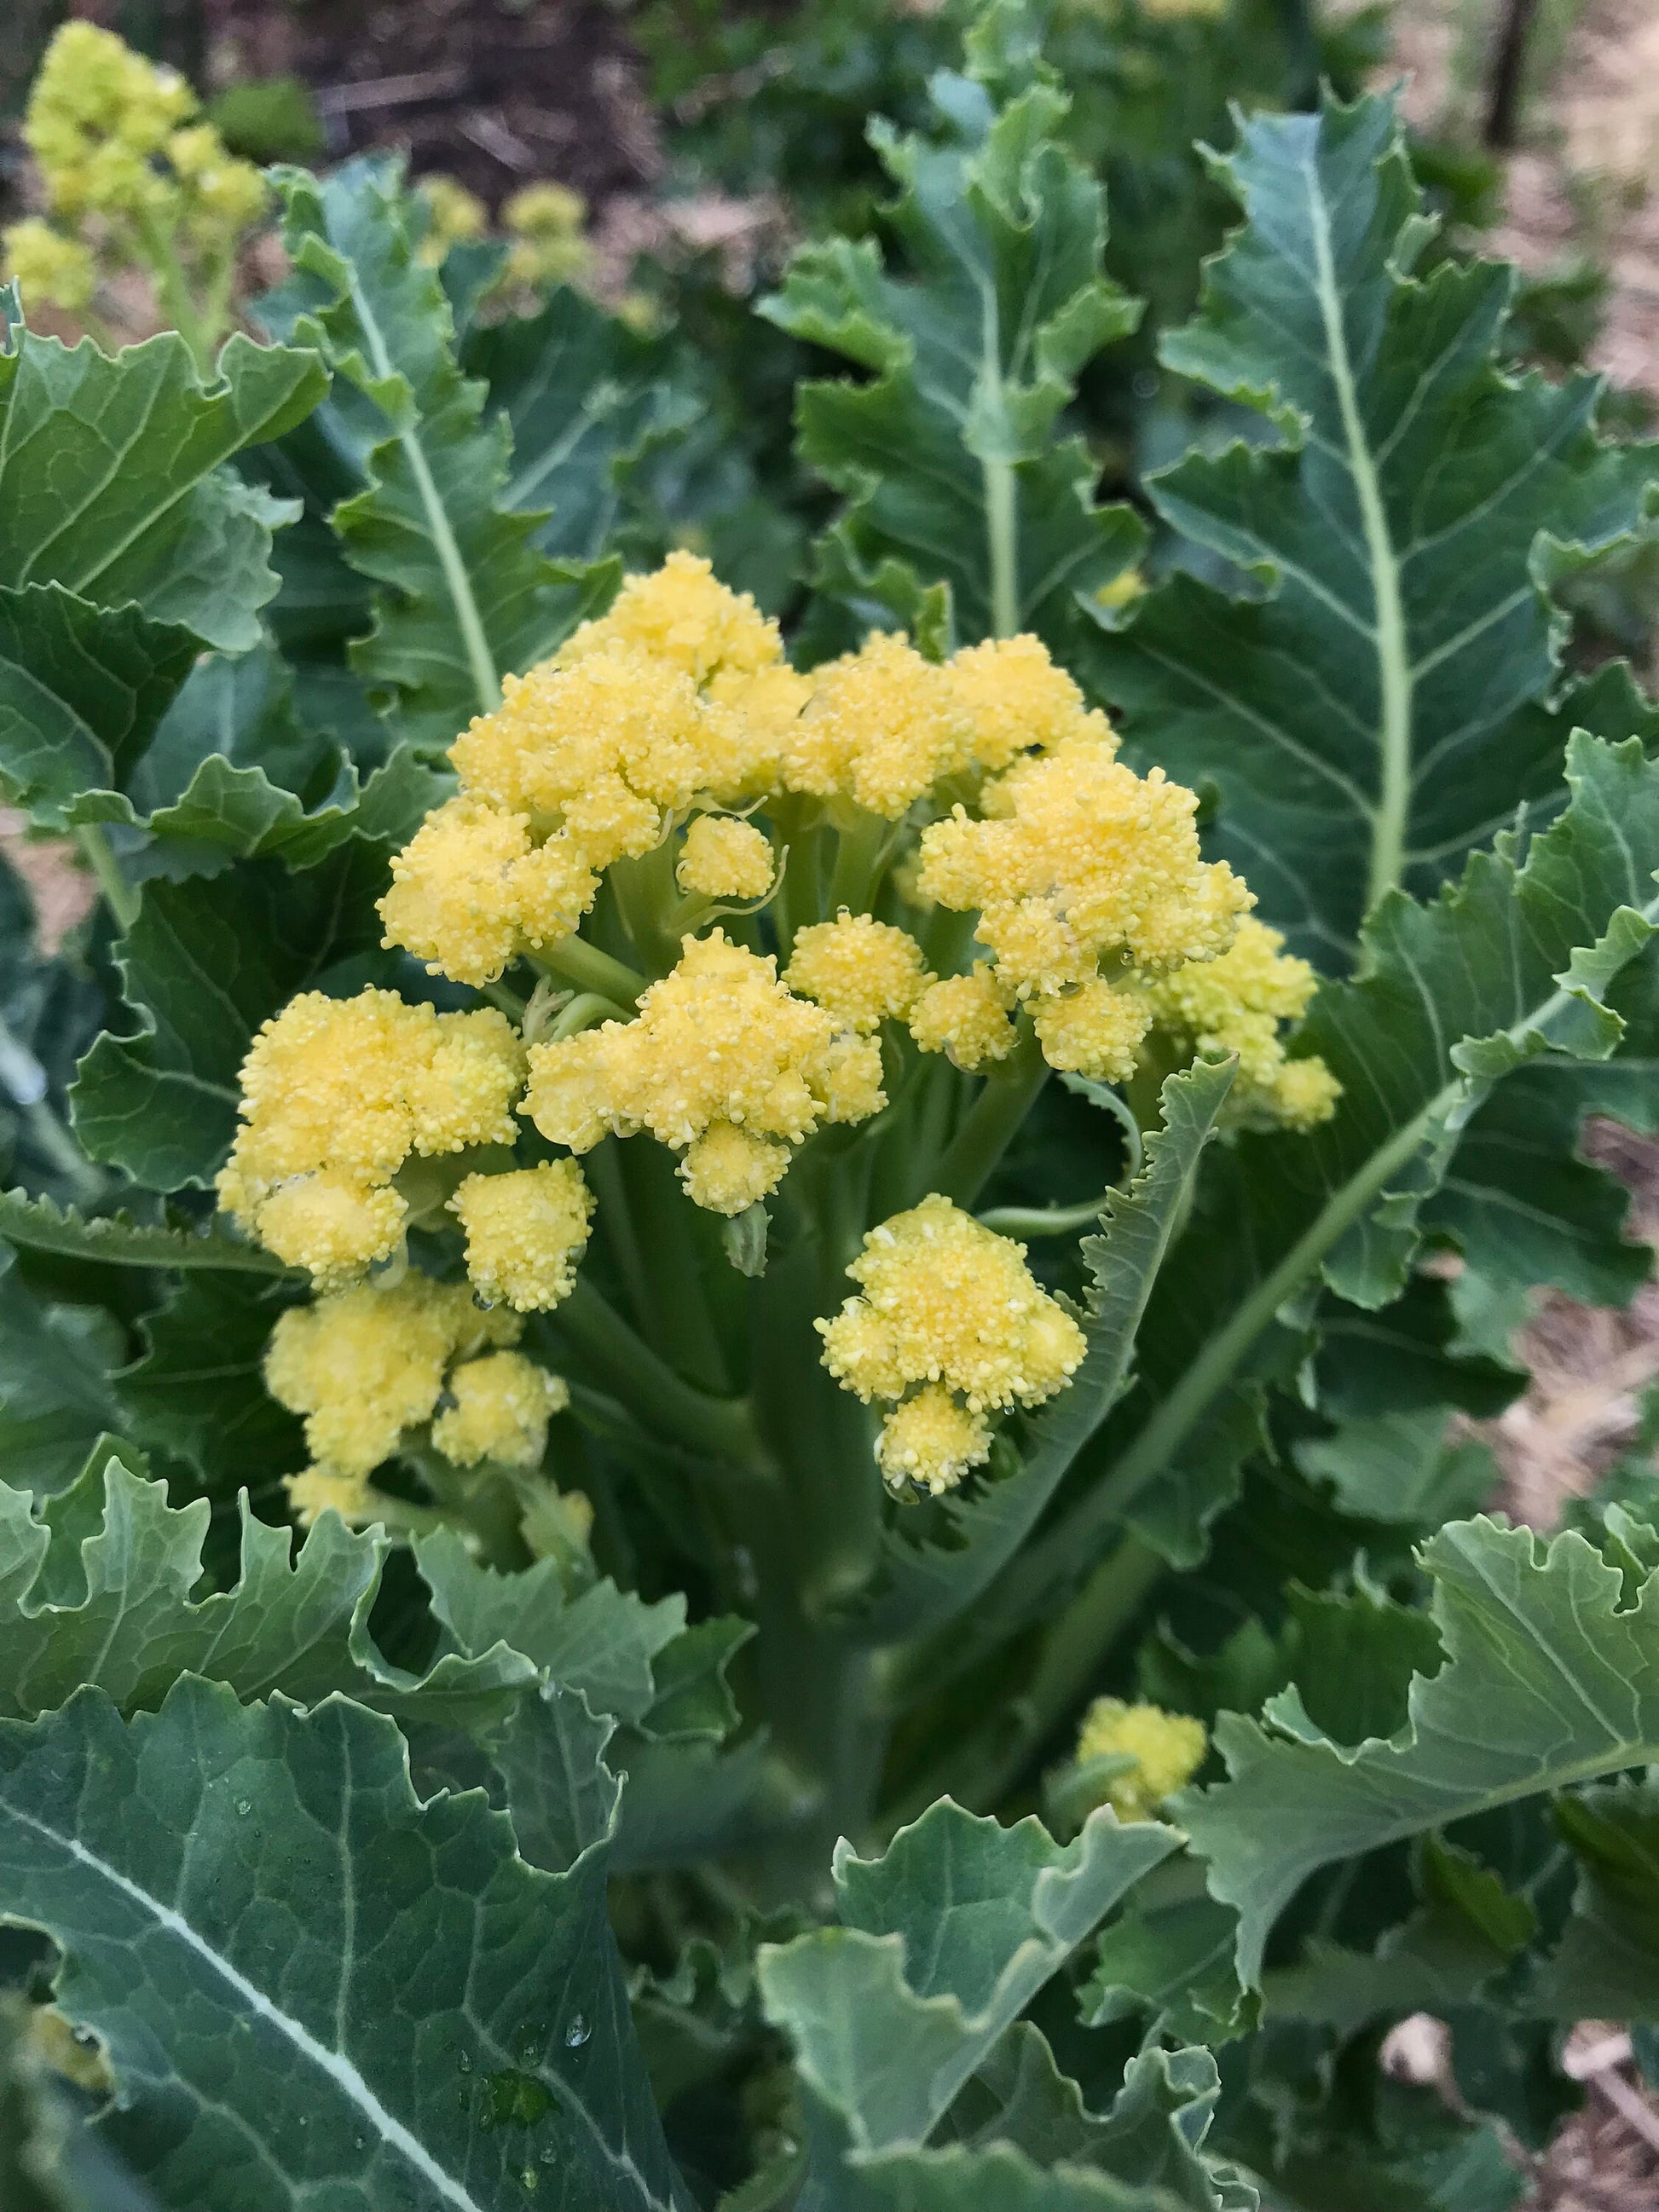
(50, 269)
(862, 971)
(453, 216)
(682, 613)
(365, 1364)
(330, 1222)
(728, 1169)
(316, 1492)
(1237, 1003)
(1019, 702)
(502, 1406)
(719, 1040)
(932, 1442)
(1093, 1031)
(947, 1302)
(964, 1016)
(526, 1231)
(1168, 1749)
(725, 858)
(881, 726)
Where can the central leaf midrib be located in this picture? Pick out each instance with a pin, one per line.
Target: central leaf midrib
(1395, 677)
(480, 660)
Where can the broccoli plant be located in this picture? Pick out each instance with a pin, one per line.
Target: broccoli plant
(735, 1366)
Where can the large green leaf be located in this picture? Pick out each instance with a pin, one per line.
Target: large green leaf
(1549, 1679)
(204, 964)
(117, 1241)
(96, 1588)
(313, 1988)
(1508, 967)
(923, 1585)
(465, 595)
(56, 1396)
(1606, 1965)
(1381, 703)
(948, 455)
(113, 483)
(942, 1943)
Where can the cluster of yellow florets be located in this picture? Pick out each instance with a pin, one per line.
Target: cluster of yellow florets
(723, 858)
(113, 137)
(1077, 860)
(526, 1231)
(669, 699)
(1168, 1749)
(336, 1094)
(722, 1064)
(368, 1365)
(860, 971)
(1236, 1003)
(950, 1326)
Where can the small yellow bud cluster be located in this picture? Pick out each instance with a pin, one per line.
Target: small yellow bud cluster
(526, 1231)
(113, 137)
(453, 216)
(365, 1366)
(672, 698)
(883, 725)
(1236, 1003)
(722, 857)
(1168, 1749)
(722, 1064)
(860, 971)
(951, 1325)
(337, 1093)
(1077, 860)
(545, 222)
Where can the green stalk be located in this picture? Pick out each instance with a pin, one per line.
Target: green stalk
(993, 1123)
(1044, 1220)
(860, 849)
(585, 1012)
(119, 895)
(677, 1299)
(178, 302)
(603, 1167)
(723, 1427)
(573, 960)
(1002, 546)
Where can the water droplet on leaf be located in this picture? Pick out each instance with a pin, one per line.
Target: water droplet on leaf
(578, 2031)
(510, 2100)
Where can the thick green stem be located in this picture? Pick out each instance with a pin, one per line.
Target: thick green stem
(573, 960)
(119, 895)
(177, 301)
(586, 1011)
(991, 1124)
(860, 849)
(1002, 546)
(603, 1167)
(724, 1427)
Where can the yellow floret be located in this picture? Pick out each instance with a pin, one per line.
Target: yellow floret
(682, 613)
(502, 1406)
(453, 216)
(365, 1365)
(318, 1491)
(49, 269)
(946, 1300)
(1019, 702)
(965, 1017)
(932, 1442)
(719, 1040)
(1093, 1031)
(451, 902)
(526, 1232)
(97, 114)
(1238, 1003)
(862, 971)
(335, 1095)
(1168, 1749)
(222, 195)
(881, 726)
(725, 858)
(728, 1169)
(544, 221)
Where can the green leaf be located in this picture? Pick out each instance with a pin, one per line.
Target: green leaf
(1607, 1963)
(203, 965)
(948, 456)
(112, 482)
(1169, 1955)
(943, 1943)
(197, 1392)
(97, 1590)
(925, 1583)
(117, 1241)
(1383, 698)
(309, 1984)
(1511, 965)
(83, 689)
(465, 595)
(1537, 1635)
(1403, 1466)
(588, 400)
(55, 1397)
